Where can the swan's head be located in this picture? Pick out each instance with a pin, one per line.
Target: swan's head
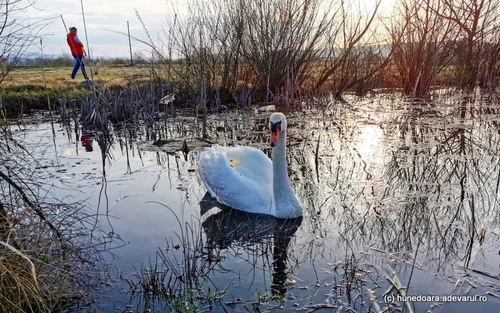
(277, 124)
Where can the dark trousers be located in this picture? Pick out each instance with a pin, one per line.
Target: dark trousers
(78, 64)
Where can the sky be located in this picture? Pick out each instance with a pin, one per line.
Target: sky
(106, 17)
(103, 19)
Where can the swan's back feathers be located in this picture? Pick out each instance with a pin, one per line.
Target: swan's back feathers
(250, 162)
(247, 186)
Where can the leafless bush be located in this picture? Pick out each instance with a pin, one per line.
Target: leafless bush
(234, 44)
(48, 258)
(352, 54)
(275, 51)
(489, 68)
(17, 33)
(477, 22)
(281, 42)
(422, 44)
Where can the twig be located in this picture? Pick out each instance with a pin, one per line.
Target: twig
(32, 266)
(35, 207)
(316, 157)
(410, 106)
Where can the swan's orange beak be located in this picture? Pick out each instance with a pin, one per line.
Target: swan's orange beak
(274, 137)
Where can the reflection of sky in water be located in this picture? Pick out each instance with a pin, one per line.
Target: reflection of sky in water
(368, 140)
(374, 193)
(142, 225)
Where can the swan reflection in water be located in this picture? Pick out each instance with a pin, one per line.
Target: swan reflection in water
(233, 227)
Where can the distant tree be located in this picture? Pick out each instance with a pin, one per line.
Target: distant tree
(478, 23)
(17, 33)
(63, 60)
(349, 55)
(423, 44)
(263, 43)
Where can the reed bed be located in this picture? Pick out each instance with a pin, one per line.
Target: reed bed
(50, 249)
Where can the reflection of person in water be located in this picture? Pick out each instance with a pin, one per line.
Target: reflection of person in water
(87, 140)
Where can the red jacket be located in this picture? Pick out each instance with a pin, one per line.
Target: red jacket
(76, 47)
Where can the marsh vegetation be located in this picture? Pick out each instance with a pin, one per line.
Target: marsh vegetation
(391, 204)
(392, 152)
(233, 54)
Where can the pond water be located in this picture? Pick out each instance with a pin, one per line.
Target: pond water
(394, 204)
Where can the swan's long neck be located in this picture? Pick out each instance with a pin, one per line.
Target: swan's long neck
(287, 205)
(280, 174)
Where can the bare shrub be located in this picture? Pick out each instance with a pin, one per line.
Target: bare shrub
(477, 22)
(281, 41)
(489, 67)
(422, 44)
(351, 53)
(17, 33)
(234, 44)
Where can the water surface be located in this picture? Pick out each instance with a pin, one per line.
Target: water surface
(395, 203)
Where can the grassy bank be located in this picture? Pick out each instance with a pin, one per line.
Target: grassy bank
(59, 77)
(28, 88)
(121, 85)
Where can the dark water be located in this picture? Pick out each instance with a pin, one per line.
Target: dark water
(395, 204)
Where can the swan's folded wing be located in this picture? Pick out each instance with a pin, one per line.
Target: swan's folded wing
(231, 187)
(251, 162)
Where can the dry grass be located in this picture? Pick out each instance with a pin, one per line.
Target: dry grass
(48, 259)
(40, 271)
(19, 288)
(59, 77)
(28, 88)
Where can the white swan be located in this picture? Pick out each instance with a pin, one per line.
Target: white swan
(245, 179)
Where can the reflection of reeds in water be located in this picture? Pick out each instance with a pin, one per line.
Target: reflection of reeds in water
(181, 276)
(433, 198)
(451, 181)
(414, 198)
(48, 259)
(367, 185)
(178, 277)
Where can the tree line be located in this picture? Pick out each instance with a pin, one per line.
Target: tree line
(281, 50)
(277, 50)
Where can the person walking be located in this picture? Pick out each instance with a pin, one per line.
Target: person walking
(77, 51)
